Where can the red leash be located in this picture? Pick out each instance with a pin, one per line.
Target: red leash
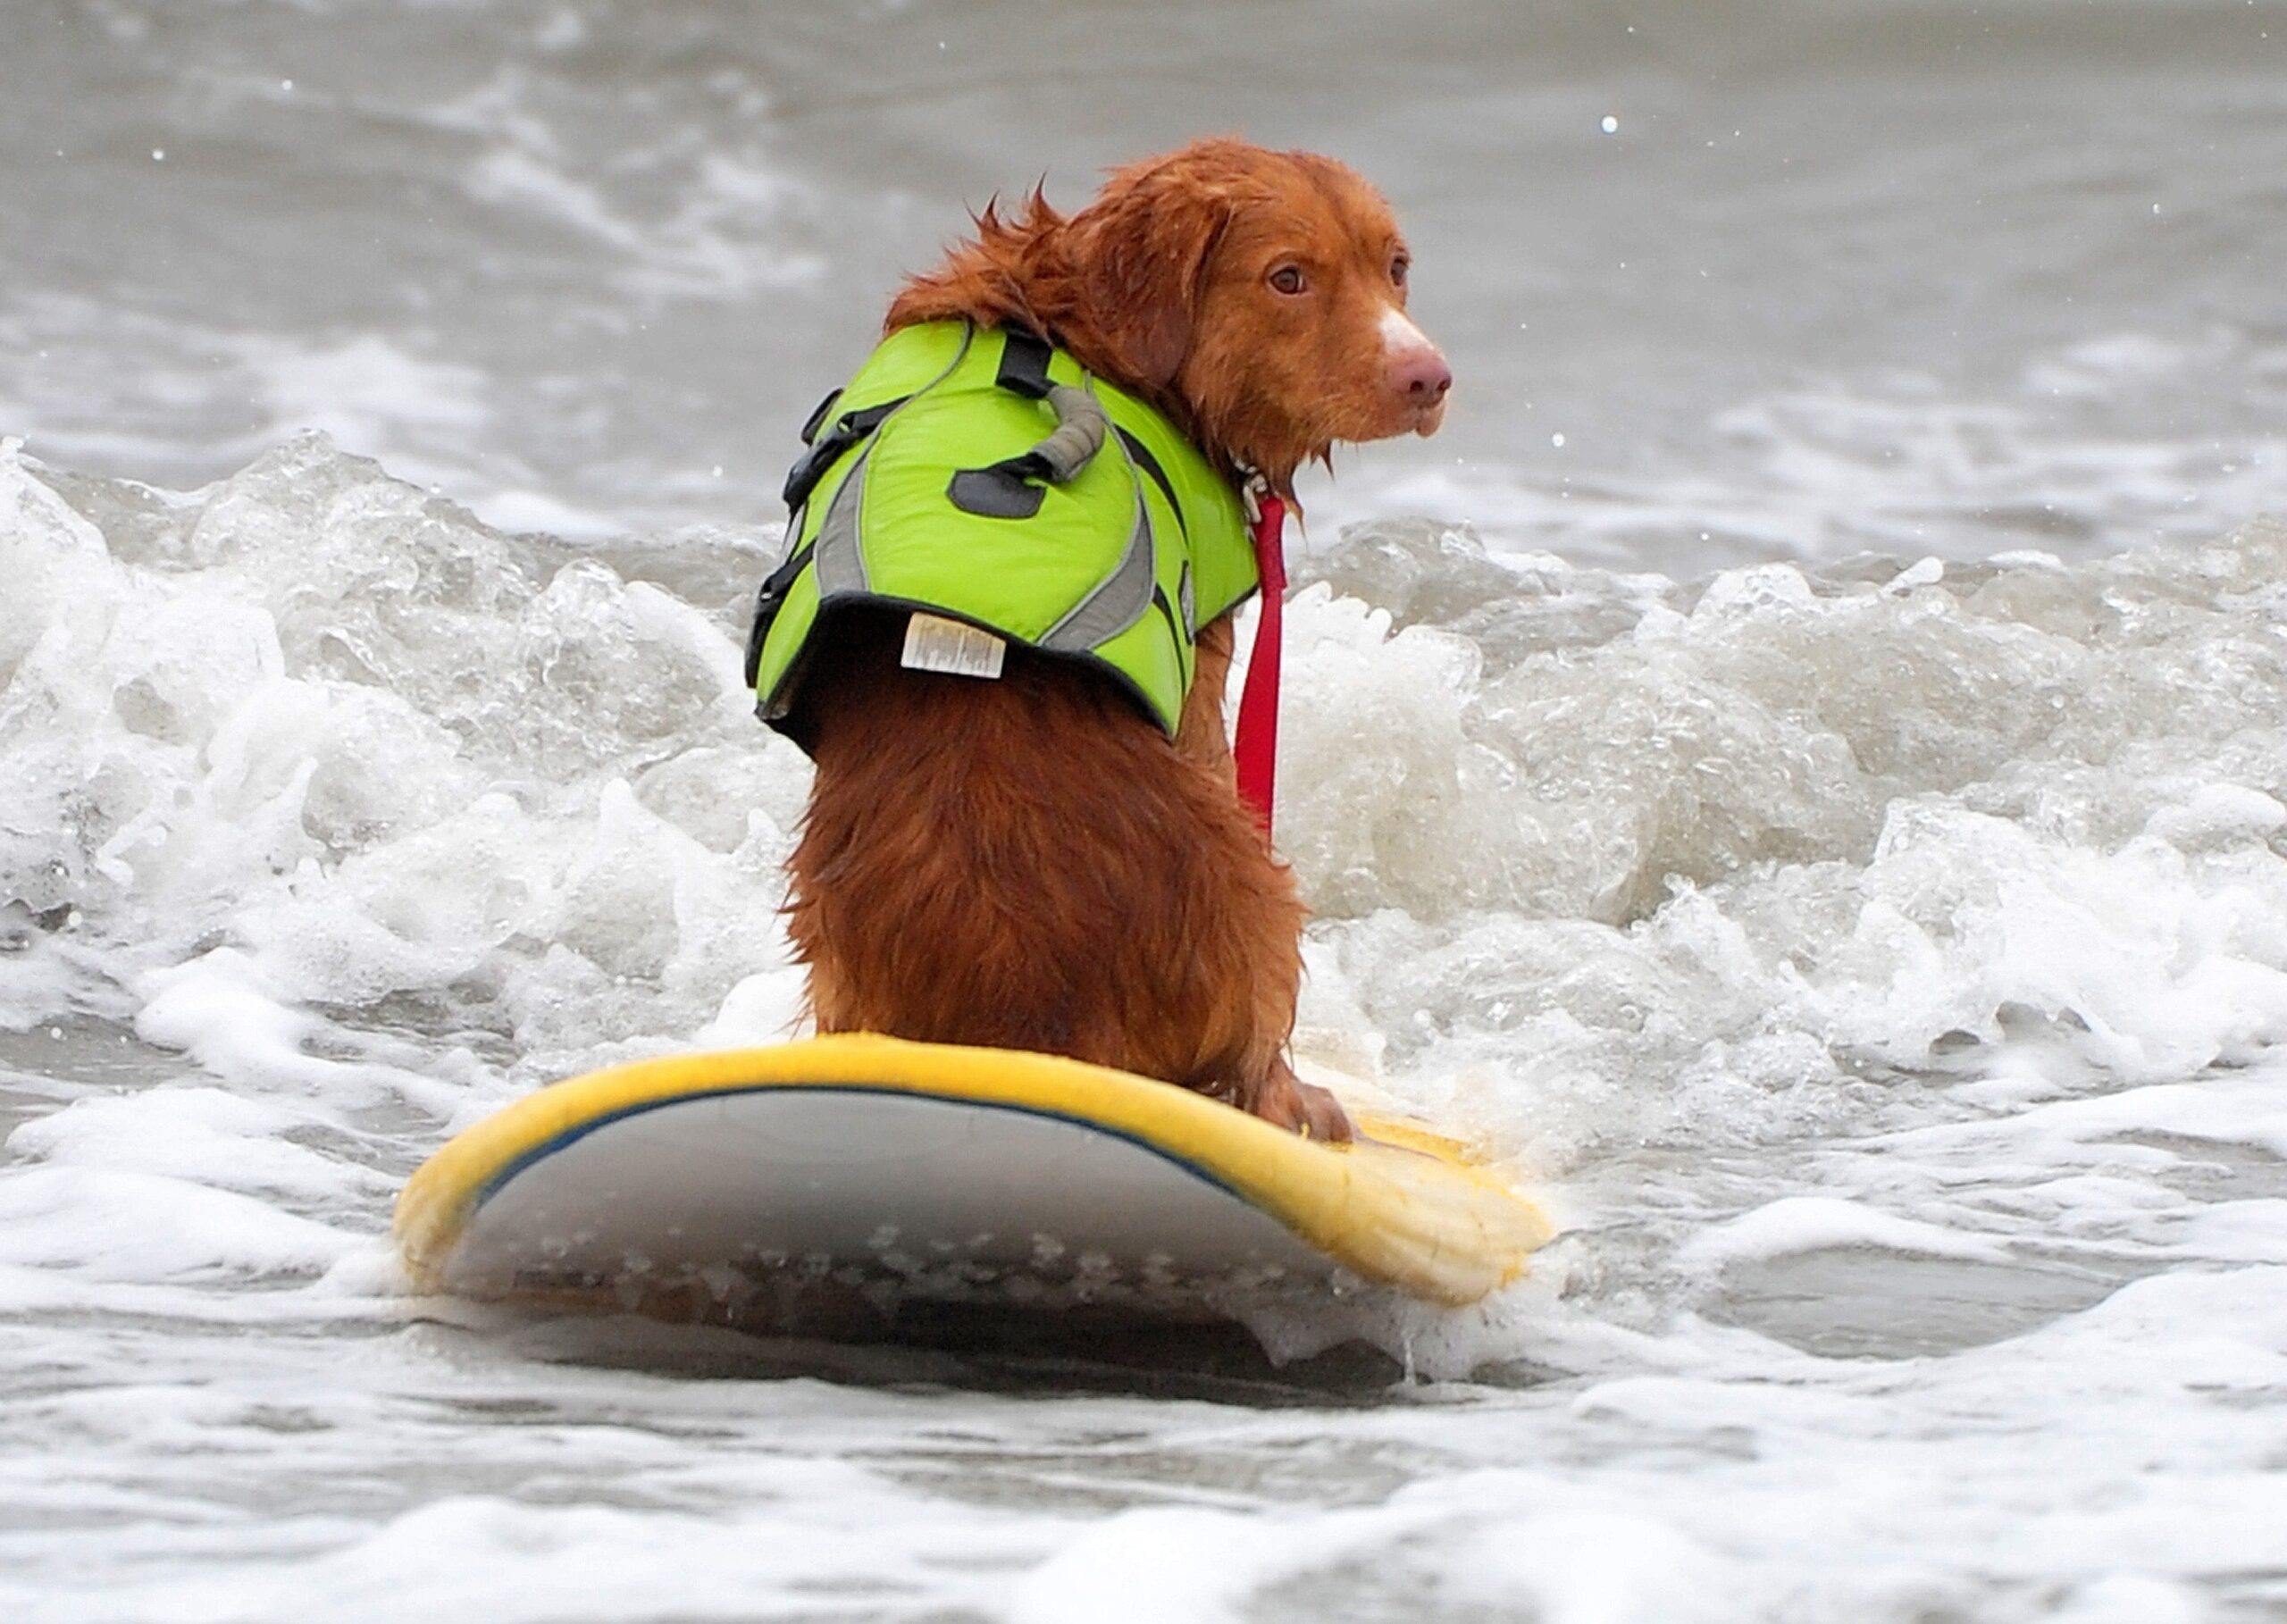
(1255, 750)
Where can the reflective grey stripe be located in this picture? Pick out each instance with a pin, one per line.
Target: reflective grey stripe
(1120, 599)
(838, 561)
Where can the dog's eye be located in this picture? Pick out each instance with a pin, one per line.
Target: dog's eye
(1398, 268)
(1288, 278)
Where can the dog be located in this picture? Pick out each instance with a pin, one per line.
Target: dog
(1029, 863)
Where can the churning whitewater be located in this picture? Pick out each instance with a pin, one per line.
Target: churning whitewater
(1880, 965)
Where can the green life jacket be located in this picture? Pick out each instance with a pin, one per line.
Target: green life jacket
(956, 477)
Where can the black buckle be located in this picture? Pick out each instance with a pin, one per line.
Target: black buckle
(816, 419)
(848, 428)
(768, 603)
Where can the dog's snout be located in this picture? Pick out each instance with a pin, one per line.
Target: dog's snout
(1423, 377)
(1417, 372)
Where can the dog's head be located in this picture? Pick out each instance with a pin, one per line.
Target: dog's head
(1267, 292)
(1260, 297)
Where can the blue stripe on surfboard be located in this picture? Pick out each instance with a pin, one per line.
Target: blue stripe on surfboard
(493, 1185)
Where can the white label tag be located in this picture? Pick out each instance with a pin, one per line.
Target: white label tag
(934, 644)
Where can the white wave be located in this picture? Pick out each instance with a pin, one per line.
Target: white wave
(1811, 1223)
(1920, 916)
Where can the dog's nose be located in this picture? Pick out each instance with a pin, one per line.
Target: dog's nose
(1422, 377)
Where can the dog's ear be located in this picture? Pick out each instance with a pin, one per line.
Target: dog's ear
(1140, 253)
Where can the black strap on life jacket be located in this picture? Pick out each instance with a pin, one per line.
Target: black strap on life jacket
(826, 445)
(1142, 454)
(766, 602)
(1023, 364)
(848, 429)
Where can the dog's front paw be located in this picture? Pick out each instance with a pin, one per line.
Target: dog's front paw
(1286, 1101)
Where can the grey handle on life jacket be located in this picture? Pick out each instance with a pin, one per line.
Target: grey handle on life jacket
(1080, 429)
(1007, 489)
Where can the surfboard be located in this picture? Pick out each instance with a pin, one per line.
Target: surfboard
(835, 1186)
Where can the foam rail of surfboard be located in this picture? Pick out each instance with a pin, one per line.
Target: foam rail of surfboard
(748, 1186)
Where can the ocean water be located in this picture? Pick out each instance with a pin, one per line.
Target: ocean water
(1798, 770)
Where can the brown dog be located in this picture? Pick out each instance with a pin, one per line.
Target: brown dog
(1029, 863)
